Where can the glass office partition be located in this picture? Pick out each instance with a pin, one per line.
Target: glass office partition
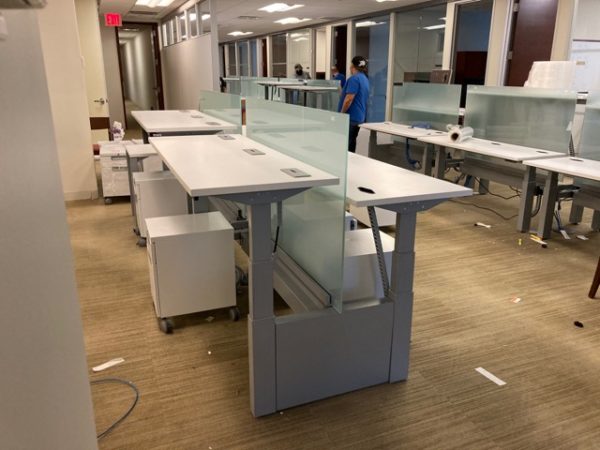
(222, 106)
(231, 61)
(590, 135)
(299, 48)
(312, 223)
(419, 43)
(279, 55)
(532, 117)
(326, 100)
(372, 43)
(429, 105)
(244, 59)
(253, 58)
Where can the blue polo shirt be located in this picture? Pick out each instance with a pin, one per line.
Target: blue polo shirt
(341, 78)
(358, 85)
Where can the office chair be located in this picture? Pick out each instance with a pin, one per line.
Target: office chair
(596, 282)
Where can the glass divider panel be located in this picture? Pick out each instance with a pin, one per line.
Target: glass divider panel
(312, 231)
(429, 105)
(222, 106)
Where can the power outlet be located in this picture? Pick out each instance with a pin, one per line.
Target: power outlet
(3, 28)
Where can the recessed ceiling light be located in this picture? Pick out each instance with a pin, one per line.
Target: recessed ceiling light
(368, 23)
(154, 3)
(279, 7)
(435, 27)
(381, 1)
(291, 20)
(239, 33)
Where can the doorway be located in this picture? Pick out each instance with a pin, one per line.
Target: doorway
(340, 48)
(471, 41)
(139, 63)
(264, 71)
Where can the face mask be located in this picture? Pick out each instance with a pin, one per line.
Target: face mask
(298, 71)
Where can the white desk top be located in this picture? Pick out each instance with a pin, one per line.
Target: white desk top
(508, 152)
(174, 121)
(281, 83)
(311, 88)
(394, 185)
(140, 150)
(574, 167)
(210, 165)
(397, 129)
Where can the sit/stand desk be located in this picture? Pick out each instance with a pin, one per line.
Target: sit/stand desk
(218, 166)
(317, 90)
(488, 170)
(573, 167)
(403, 131)
(179, 123)
(273, 85)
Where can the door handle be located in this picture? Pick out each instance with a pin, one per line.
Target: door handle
(101, 101)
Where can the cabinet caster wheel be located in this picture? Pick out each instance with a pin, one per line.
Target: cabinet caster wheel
(141, 242)
(136, 231)
(165, 325)
(107, 200)
(234, 314)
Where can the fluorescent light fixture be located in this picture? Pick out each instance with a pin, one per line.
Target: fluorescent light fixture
(163, 3)
(154, 3)
(381, 1)
(368, 23)
(291, 20)
(279, 7)
(239, 33)
(205, 16)
(435, 27)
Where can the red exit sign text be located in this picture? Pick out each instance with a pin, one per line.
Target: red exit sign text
(113, 20)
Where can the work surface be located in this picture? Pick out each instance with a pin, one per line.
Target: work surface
(574, 167)
(509, 152)
(212, 165)
(397, 129)
(140, 150)
(172, 121)
(393, 185)
(303, 88)
(194, 384)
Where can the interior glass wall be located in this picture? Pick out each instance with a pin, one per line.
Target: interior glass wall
(372, 43)
(253, 58)
(279, 55)
(299, 51)
(244, 59)
(231, 61)
(419, 43)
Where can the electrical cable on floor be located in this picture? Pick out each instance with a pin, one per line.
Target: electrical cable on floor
(486, 209)
(128, 412)
(276, 240)
(496, 195)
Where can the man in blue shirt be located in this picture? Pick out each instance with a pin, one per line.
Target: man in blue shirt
(354, 98)
(336, 75)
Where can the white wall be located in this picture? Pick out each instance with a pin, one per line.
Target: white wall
(68, 98)
(46, 401)
(187, 70)
(564, 22)
(112, 74)
(321, 51)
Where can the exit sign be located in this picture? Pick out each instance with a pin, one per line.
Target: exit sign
(112, 20)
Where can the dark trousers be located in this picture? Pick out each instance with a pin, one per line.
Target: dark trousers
(354, 129)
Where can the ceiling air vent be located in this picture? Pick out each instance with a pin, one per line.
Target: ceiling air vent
(143, 13)
(248, 17)
(329, 19)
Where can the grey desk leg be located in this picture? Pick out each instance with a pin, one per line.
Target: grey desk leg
(596, 221)
(372, 143)
(266, 92)
(145, 137)
(524, 219)
(428, 159)
(484, 186)
(576, 215)
(133, 166)
(440, 162)
(548, 203)
(261, 320)
(401, 293)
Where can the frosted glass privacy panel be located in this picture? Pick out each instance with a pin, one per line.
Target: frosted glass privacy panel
(433, 105)
(233, 85)
(326, 100)
(532, 117)
(312, 223)
(222, 106)
(590, 135)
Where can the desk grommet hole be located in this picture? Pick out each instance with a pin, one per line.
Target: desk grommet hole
(366, 190)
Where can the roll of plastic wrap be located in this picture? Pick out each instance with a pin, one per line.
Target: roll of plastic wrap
(458, 134)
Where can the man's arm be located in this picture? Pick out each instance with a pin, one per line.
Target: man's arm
(348, 99)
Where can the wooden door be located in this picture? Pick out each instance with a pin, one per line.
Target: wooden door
(532, 37)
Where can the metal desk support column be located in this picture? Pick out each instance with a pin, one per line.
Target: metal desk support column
(548, 202)
(372, 143)
(427, 159)
(529, 184)
(440, 162)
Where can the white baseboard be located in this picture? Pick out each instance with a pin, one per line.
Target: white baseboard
(81, 195)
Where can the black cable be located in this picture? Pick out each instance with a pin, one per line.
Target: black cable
(496, 195)
(486, 209)
(129, 411)
(276, 240)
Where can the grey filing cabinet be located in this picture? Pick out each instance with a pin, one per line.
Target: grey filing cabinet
(113, 169)
(192, 265)
(157, 194)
